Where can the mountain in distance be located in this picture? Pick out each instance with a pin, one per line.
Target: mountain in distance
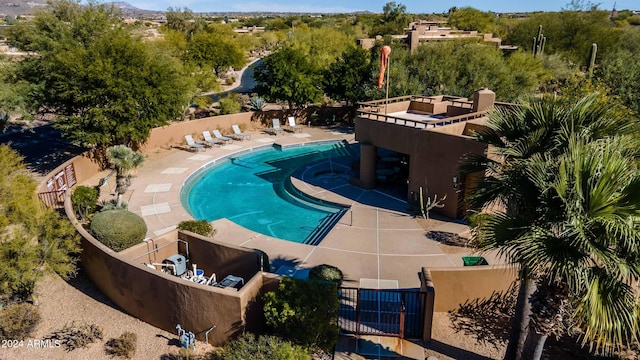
(29, 7)
(21, 7)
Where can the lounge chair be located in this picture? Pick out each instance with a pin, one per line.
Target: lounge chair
(292, 124)
(238, 134)
(220, 137)
(193, 144)
(276, 129)
(209, 139)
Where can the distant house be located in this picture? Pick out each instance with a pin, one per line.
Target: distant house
(424, 31)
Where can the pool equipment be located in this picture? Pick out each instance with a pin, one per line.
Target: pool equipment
(176, 263)
(187, 339)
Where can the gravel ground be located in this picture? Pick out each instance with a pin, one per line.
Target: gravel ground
(62, 302)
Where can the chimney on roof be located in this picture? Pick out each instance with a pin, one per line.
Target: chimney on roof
(483, 99)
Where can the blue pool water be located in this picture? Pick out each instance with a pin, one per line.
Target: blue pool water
(254, 190)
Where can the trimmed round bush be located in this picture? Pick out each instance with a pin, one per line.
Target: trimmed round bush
(118, 229)
(326, 272)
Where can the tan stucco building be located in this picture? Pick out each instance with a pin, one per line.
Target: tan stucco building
(429, 136)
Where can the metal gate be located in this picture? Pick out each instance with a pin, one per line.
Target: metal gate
(382, 312)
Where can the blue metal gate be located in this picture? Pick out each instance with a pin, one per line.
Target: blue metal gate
(382, 312)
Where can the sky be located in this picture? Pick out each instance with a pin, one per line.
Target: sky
(342, 6)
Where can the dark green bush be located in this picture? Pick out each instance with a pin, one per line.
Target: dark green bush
(201, 227)
(305, 312)
(326, 272)
(18, 321)
(85, 200)
(122, 346)
(118, 229)
(254, 347)
(73, 336)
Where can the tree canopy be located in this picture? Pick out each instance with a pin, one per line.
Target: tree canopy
(104, 85)
(288, 75)
(33, 240)
(349, 77)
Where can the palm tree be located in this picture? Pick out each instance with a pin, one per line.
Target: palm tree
(539, 127)
(583, 248)
(123, 160)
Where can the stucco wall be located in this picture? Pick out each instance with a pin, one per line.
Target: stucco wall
(163, 300)
(455, 286)
(173, 134)
(84, 168)
(434, 156)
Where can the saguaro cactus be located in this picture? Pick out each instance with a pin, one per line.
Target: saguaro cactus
(592, 61)
(538, 43)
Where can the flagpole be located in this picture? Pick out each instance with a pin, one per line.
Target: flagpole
(386, 101)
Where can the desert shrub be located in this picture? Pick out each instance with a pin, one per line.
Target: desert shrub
(202, 102)
(118, 229)
(326, 272)
(73, 336)
(230, 105)
(305, 312)
(188, 354)
(254, 347)
(18, 321)
(112, 204)
(201, 227)
(85, 200)
(122, 346)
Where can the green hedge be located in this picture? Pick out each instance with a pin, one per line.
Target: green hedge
(118, 229)
(201, 227)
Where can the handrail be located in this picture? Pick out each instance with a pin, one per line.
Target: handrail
(162, 247)
(423, 125)
(54, 199)
(206, 334)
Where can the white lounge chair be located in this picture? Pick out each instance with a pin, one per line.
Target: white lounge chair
(238, 134)
(220, 137)
(276, 129)
(292, 124)
(209, 139)
(193, 144)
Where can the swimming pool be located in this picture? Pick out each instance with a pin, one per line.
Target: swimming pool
(254, 190)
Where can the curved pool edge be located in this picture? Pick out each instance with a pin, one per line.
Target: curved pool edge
(195, 176)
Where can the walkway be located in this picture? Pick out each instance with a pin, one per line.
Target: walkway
(370, 241)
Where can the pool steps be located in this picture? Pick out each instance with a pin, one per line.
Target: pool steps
(324, 226)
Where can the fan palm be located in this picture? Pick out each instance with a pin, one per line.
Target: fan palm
(540, 127)
(123, 160)
(584, 246)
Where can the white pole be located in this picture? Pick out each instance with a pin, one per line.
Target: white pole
(386, 101)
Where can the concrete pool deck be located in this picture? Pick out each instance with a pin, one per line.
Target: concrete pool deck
(370, 243)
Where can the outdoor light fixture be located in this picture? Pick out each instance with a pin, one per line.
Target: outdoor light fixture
(455, 182)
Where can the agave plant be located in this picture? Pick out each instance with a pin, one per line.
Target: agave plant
(257, 103)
